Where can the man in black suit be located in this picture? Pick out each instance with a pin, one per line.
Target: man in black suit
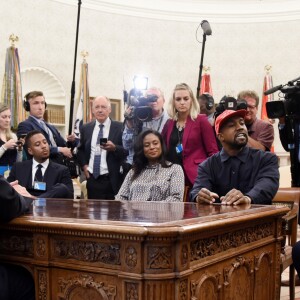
(35, 104)
(15, 281)
(39, 175)
(100, 152)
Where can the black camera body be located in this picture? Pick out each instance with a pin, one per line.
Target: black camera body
(230, 103)
(289, 106)
(139, 109)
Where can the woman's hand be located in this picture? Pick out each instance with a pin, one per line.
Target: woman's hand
(11, 144)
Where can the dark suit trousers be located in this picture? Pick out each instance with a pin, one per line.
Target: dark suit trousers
(296, 257)
(16, 283)
(99, 188)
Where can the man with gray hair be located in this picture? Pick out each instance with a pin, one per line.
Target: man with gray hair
(260, 133)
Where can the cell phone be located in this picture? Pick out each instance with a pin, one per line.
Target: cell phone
(23, 136)
(19, 143)
(103, 141)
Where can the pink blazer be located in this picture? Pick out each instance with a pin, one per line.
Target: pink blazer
(198, 143)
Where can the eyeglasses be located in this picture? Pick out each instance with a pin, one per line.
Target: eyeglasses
(251, 106)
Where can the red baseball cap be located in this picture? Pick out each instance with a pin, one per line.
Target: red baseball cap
(227, 114)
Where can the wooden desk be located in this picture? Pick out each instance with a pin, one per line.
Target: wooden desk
(110, 250)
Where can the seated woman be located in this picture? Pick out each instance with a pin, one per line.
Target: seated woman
(152, 178)
(11, 150)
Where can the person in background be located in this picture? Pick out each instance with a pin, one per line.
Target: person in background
(237, 174)
(207, 107)
(152, 178)
(36, 105)
(188, 135)
(100, 152)
(296, 262)
(159, 118)
(260, 133)
(11, 149)
(39, 175)
(16, 282)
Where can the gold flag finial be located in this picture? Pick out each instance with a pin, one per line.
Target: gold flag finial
(268, 69)
(84, 54)
(13, 39)
(206, 69)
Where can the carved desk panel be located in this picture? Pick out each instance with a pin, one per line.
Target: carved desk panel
(111, 250)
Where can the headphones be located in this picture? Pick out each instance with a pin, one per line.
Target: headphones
(26, 104)
(210, 102)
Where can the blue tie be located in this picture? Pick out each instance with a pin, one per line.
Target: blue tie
(97, 157)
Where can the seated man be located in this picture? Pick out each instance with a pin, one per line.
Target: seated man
(39, 175)
(15, 281)
(237, 174)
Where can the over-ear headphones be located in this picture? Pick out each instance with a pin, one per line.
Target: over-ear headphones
(210, 102)
(26, 103)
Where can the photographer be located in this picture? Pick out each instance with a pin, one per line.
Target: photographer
(260, 133)
(159, 118)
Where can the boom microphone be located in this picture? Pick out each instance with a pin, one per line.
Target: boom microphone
(272, 90)
(206, 27)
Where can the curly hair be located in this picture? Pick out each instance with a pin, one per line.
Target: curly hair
(140, 161)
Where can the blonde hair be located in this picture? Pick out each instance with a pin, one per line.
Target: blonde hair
(249, 93)
(194, 110)
(8, 133)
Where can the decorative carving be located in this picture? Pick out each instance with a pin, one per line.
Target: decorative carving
(183, 289)
(88, 251)
(40, 247)
(207, 287)
(42, 284)
(85, 286)
(131, 257)
(184, 255)
(18, 245)
(159, 257)
(131, 291)
(217, 244)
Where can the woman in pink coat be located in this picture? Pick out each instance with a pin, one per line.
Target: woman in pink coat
(188, 135)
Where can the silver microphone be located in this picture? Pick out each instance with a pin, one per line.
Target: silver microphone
(206, 27)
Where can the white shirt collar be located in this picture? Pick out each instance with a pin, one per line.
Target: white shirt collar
(44, 164)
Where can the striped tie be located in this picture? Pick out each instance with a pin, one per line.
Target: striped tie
(97, 157)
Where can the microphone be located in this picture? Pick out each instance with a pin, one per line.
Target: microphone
(272, 90)
(206, 27)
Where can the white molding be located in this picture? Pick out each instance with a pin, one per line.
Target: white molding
(221, 11)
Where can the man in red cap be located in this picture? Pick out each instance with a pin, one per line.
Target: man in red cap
(237, 174)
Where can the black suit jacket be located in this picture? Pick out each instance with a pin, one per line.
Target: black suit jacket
(12, 204)
(114, 159)
(54, 174)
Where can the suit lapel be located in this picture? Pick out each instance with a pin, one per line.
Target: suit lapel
(187, 130)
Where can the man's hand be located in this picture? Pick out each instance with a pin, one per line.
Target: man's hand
(235, 197)
(65, 151)
(109, 146)
(206, 196)
(71, 137)
(86, 171)
(21, 190)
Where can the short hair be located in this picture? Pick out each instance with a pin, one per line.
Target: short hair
(154, 88)
(33, 94)
(108, 100)
(139, 159)
(29, 135)
(195, 109)
(249, 93)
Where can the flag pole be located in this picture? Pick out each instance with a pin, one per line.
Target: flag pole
(74, 71)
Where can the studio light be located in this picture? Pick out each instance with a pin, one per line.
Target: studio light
(140, 82)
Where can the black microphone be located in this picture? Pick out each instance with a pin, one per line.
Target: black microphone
(206, 27)
(272, 90)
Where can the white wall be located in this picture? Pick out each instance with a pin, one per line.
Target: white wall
(121, 46)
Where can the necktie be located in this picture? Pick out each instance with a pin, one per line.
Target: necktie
(97, 156)
(49, 132)
(38, 174)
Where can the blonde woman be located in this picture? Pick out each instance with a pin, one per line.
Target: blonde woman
(10, 147)
(188, 135)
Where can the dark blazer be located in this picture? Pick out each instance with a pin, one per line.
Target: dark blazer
(55, 174)
(198, 143)
(12, 204)
(114, 159)
(31, 124)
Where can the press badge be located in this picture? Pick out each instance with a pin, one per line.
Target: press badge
(39, 186)
(179, 148)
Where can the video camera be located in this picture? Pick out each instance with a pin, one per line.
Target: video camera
(139, 105)
(290, 105)
(228, 102)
